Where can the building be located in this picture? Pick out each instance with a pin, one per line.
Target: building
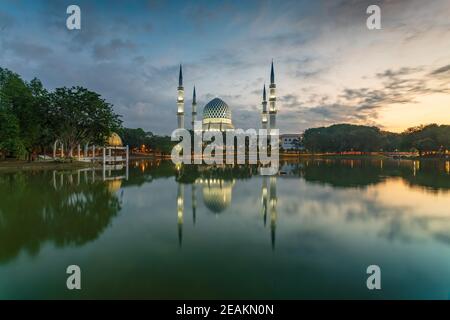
(291, 141)
(217, 114)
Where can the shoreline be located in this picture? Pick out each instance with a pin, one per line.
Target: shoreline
(287, 156)
(14, 164)
(23, 165)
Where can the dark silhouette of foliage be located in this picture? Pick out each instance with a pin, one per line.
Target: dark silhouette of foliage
(348, 137)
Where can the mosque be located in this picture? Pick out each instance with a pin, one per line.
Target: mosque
(217, 113)
(217, 193)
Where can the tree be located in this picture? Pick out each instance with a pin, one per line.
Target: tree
(164, 144)
(80, 116)
(343, 137)
(430, 137)
(9, 131)
(426, 144)
(135, 138)
(21, 105)
(390, 141)
(41, 105)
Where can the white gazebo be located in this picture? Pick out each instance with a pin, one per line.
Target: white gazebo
(113, 153)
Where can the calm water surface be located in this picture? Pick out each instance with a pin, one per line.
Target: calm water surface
(197, 232)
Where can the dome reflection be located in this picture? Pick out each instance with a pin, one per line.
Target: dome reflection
(217, 193)
(217, 197)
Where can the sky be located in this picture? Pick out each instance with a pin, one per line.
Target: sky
(329, 67)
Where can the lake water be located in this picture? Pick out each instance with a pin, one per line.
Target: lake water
(199, 232)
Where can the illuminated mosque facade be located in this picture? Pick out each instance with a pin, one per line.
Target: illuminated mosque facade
(217, 192)
(217, 113)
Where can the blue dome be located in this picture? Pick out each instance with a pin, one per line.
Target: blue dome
(216, 109)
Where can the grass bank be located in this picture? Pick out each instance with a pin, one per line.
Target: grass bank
(13, 165)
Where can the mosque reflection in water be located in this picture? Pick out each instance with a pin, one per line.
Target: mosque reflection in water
(76, 207)
(215, 184)
(155, 223)
(217, 196)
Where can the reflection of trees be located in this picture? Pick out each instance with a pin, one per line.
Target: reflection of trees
(190, 173)
(340, 174)
(391, 222)
(147, 170)
(32, 212)
(144, 171)
(336, 172)
(429, 174)
(359, 173)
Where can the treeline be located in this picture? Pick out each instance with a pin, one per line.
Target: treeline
(32, 118)
(347, 137)
(136, 138)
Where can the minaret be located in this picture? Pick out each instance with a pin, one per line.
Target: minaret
(194, 108)
(272, 100)
(264, 200)
(264, 118)
(180, 208)
(273, 199)
(180, 100)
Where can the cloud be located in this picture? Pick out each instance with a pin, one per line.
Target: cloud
(394, 74)
(290, 101)
(201, 14)
(400, 86)
(6, 22)
(112, 49)
(337, 113)
(329, 67)
(307, 67)
(289, 38)
(445, 70)
(27, 50)
(361, 105)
